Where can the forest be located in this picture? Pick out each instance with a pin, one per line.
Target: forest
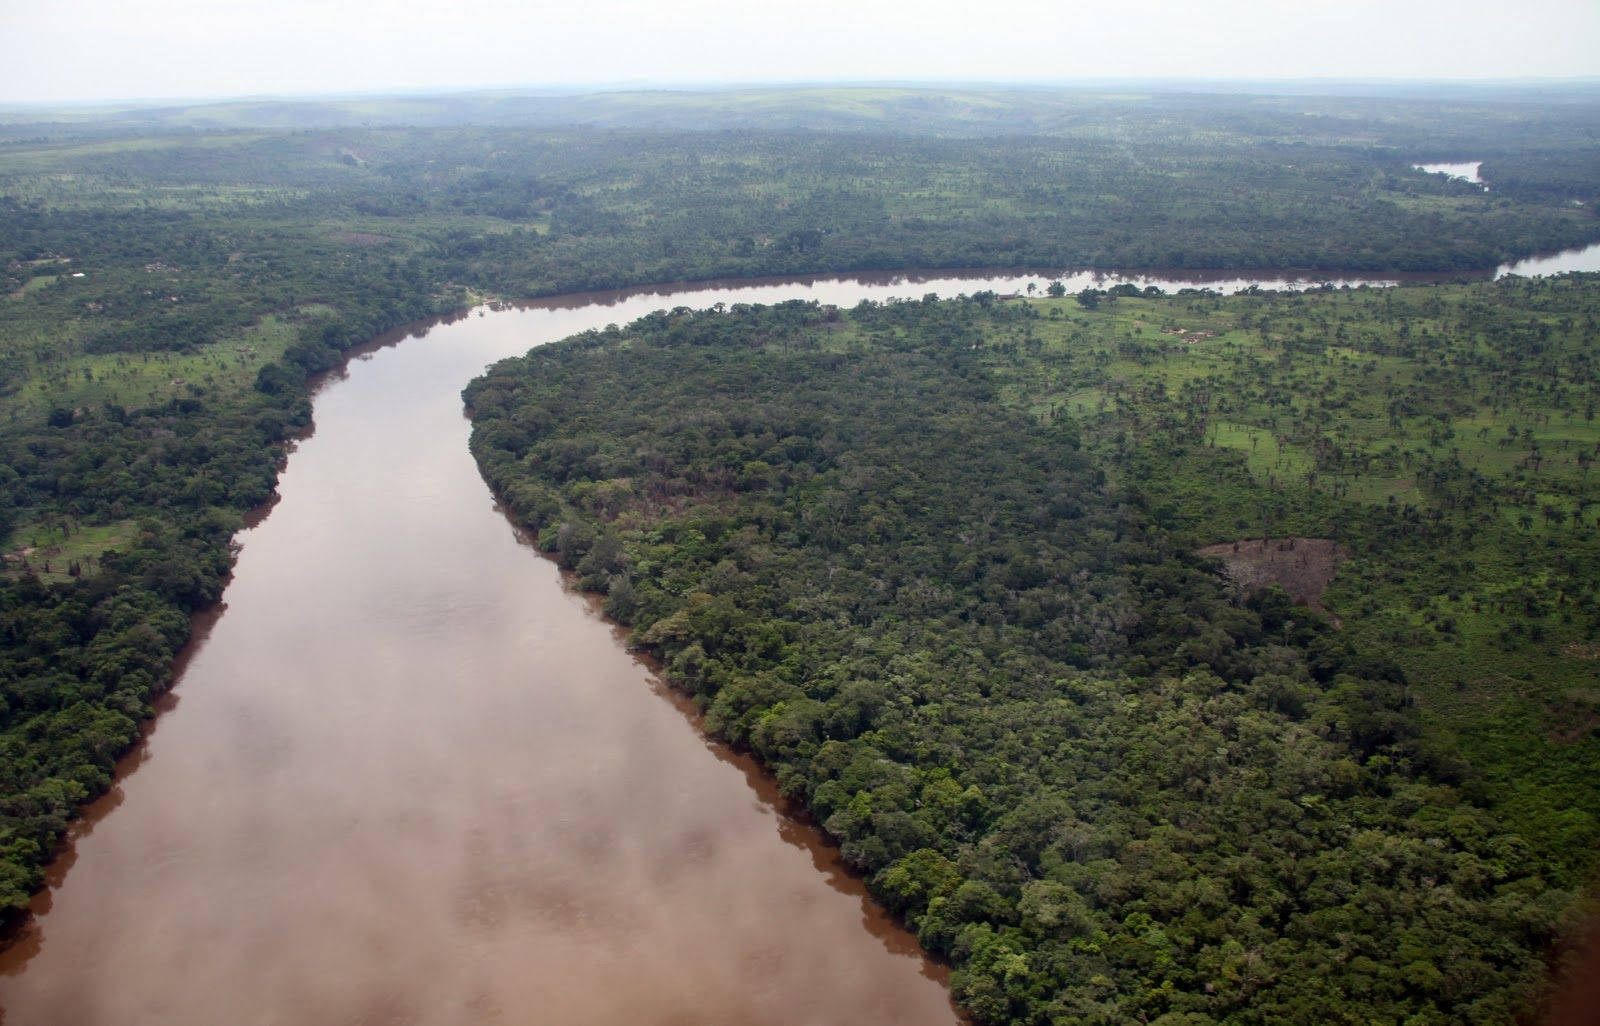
(938, 564)
(172, 281)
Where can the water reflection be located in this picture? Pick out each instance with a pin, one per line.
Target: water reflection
(1584, 258)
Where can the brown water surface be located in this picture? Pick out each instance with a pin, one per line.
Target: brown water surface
(406, 777)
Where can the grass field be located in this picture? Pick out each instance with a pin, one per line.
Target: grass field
(137, 380)
(62, 548)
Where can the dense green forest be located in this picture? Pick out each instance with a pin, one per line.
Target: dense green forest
(171, 279)
(936, 564)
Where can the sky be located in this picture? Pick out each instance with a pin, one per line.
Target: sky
(106, 50)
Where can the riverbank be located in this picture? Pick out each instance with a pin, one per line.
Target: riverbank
(779, 499)
(558, 318)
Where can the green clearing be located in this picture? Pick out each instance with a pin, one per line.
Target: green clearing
(145, 379)
(59, 550)
(1269, 459)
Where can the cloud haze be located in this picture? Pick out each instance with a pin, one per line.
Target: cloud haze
(117, 49)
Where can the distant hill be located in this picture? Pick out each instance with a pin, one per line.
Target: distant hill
(935, 109)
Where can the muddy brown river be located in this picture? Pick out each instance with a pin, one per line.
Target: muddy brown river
(407, 777)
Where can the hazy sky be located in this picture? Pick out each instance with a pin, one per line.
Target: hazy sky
(115, 49)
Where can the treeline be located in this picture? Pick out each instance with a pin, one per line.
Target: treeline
(588, 209)
(1552, 178)
(183, 239)
(1055, 742)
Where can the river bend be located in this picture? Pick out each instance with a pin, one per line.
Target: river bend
(406, 777)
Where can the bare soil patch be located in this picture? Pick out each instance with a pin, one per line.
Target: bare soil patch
(1302, 567)
(1576, 721)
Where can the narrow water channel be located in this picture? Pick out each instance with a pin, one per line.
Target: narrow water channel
(406, 777)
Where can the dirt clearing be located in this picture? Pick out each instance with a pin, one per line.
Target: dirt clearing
(1302, 567)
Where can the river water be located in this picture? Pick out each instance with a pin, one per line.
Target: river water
(407, 777)
(1466, 171)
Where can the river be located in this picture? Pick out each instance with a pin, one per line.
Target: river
(1466, 171)
(406, 777)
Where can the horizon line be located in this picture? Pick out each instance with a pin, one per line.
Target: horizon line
(599, 87)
